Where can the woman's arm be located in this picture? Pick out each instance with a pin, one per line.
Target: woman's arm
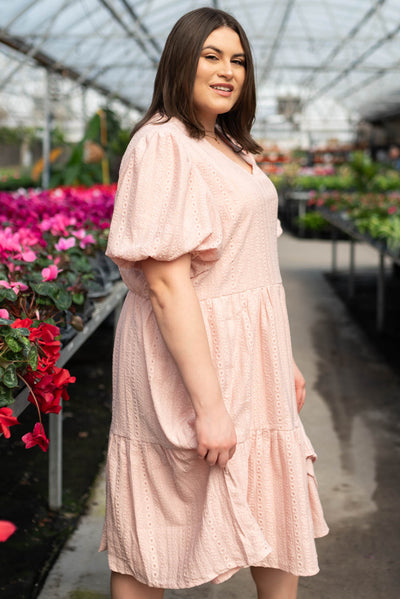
(180, 320)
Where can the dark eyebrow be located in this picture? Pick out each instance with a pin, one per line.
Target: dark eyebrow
(218, 51)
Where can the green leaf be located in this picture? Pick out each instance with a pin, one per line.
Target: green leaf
(25, 342)
(7, 294)
(62, 299)
(10, 378)
(43, 288)
(33, 358)
(14, 344)
(4, 321)
(6, 396)
(44, 301)
(78, 298)
(20, 332)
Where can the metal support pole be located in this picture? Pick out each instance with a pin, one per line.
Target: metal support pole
(55, 461)
(46, 133)
(84, 109)
(334, 250)
(380, 298)
(351, 268)
(301, 211)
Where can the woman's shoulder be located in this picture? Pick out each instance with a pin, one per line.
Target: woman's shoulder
(159, 127)
(156, 141)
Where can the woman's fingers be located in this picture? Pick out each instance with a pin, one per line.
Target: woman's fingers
(212, 457)
(216, 457)
(300, 386)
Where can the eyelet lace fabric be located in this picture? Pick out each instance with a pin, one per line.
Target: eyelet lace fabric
(171, 520)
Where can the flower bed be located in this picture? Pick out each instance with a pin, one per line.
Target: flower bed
(47, 243)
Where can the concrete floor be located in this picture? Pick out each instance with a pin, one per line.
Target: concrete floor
(352, 415)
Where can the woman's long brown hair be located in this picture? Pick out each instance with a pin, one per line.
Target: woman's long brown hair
(174, 82)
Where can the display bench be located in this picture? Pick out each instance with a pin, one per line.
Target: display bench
(341, 224)
(294, 206)
(112, 303)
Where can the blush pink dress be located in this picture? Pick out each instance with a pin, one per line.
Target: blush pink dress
(171, 520)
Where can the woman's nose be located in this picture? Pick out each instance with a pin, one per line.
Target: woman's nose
(226, 68)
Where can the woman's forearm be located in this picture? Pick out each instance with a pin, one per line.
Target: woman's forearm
(179, 317)
(180, 320)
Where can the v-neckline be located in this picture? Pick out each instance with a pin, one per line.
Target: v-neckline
(249, 172)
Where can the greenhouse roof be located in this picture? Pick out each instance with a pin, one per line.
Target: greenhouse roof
(305, 50)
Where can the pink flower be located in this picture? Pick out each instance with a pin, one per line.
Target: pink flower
(50, 273)
(37, 437)
(16, 286)
(87, 240)
(392, 210)
(65, 243)
(6, 530)
(28, 256)
(4, 313)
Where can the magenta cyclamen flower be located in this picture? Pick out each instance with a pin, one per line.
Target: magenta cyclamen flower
(65, 243)
(50, 273)
(84, 239)
(16, 286)
(28, 256)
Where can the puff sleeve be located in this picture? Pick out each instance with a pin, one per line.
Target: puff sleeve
(163, 207)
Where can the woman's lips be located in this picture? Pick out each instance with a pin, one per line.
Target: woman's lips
(223, 89)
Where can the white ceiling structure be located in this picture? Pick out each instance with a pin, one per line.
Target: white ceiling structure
(337, 59)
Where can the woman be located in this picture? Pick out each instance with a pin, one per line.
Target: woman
(209, 469)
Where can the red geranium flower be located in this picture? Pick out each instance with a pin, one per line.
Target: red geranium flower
(37, 437)
(6, 420)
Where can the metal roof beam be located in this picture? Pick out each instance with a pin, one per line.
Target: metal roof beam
(33, 49)
(371, 79)
(355, 63)
(54, 66)
(143, 27)
(19, 14)
(277, 41)
(352, 33)
(129, 31)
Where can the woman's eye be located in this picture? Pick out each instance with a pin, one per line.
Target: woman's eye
(239, 62)
(211, 57)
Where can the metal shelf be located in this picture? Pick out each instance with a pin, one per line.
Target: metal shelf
(347, 226)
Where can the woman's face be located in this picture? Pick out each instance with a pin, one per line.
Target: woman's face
(220, 75)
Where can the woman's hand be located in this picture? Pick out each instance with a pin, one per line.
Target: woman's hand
(216, 437)
(300, 386)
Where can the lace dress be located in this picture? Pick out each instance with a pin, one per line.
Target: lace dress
(171, 520)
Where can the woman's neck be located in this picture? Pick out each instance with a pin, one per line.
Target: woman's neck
(208, 124)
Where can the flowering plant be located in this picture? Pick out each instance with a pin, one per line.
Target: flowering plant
(29, 351)
(46, 241)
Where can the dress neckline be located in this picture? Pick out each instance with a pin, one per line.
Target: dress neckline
(246, 159)
(242, 154)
